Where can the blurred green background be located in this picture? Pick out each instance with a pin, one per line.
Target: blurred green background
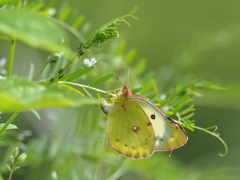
(198, 39)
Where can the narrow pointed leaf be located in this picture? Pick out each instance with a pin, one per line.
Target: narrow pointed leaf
(140, 67)
(187, 110)
(176, 109)
(78, 73)
(102, 79)
(136, 90)
(188, 116)
(152, 95)
(71, 89)
(35, 113)
(10, 126)
(130, 56)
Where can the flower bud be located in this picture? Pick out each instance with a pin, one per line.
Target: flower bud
(21, 158)
(15, 152)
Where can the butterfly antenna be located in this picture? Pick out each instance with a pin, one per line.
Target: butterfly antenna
(128, 74)
(120, 81)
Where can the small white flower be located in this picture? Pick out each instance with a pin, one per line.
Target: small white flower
(54, 175)
(51, 11)
(89, 63)
(3, 71)
(94, 61)
(28, 133)
(163, 97)
(59, 54)
(3, 62)
(166, 108)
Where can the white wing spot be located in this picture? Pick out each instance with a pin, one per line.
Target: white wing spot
(135, 129)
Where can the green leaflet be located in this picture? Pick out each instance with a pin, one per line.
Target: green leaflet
(78, 73)
(102, 79)
(10, 126)
(33, 29)
(21, 94)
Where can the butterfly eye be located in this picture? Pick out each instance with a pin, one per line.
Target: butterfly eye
(153, 116)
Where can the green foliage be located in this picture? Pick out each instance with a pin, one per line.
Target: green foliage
(76, 147)
(107, 31)
(15, 161)
(102, 79)
(10, 126)
(21, 94)
(78, 73)
(33, 29)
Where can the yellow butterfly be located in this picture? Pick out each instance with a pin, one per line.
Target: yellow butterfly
(136, 127)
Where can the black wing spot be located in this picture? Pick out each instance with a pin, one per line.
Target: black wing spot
(159, 138)
(133, 147)
(117, 140)
(125, 145)
(153, 116)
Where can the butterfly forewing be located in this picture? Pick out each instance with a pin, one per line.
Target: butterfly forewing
(168, 134)
(129, 130)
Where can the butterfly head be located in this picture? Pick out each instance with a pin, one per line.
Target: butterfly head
(126, 91)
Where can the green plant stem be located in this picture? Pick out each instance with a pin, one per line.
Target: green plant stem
(10, 175)
(22, 4)
(215, 135)
(40, 72)
(11, 56)
(85, 86)
(55, 78)
(69, 63)
(9, 122)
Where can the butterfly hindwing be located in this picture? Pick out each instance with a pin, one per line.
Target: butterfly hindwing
(168, 134)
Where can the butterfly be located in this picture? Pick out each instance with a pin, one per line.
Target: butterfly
(136, 128)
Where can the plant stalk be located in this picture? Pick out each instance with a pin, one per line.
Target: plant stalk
(11, 56)
(9, 122)
(54, 79)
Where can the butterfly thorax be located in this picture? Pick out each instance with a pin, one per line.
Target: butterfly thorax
(125, 91)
